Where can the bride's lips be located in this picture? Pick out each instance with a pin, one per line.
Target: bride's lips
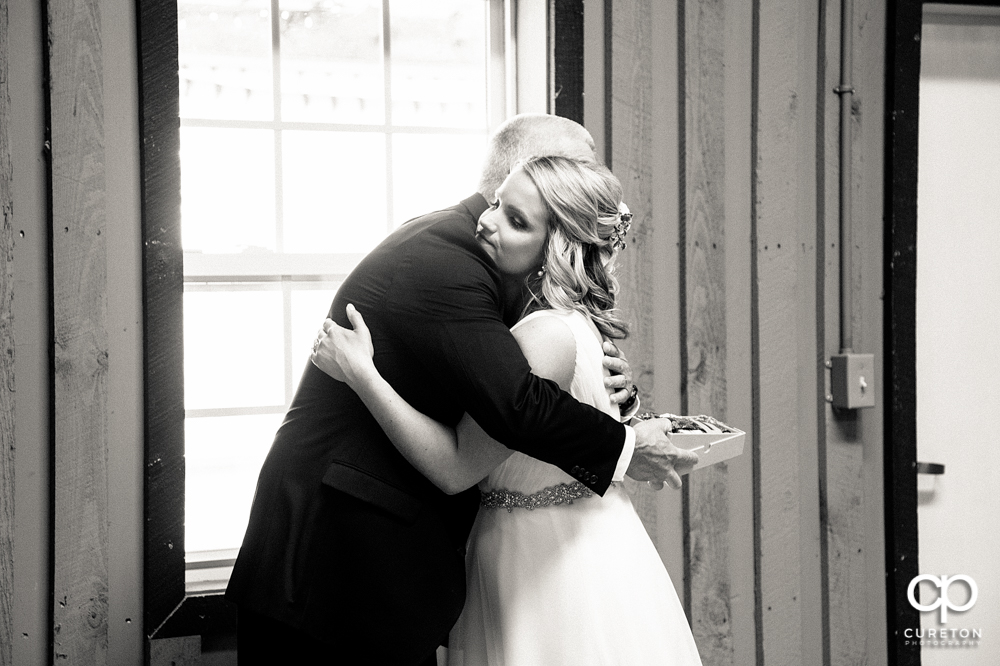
(486, 243)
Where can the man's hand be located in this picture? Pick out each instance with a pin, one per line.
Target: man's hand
(620, 378)
(656, 460)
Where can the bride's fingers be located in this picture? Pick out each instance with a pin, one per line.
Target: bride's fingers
(357, 321)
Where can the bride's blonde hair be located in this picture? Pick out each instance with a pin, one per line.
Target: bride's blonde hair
(583, 201)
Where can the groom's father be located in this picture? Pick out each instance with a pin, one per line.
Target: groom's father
(351, 556)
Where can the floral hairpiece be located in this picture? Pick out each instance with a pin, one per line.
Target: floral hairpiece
(621, 227)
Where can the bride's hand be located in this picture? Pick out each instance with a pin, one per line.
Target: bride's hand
(343, 353)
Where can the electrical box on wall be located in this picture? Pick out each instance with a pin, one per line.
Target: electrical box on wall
(852, 380)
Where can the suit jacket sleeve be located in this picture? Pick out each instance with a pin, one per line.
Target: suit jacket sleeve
(444, 303)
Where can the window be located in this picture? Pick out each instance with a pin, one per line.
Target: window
(309, 130)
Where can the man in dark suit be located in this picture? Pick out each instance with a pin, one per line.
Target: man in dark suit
(351, 556)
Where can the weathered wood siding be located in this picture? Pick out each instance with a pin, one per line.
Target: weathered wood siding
(717, 57)
(79, 286)
(635, 125)
(781, 546)
(851, 471)
(628, 152)
(6, 360)
(786, 351)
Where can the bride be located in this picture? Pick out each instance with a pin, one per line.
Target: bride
(556, 574)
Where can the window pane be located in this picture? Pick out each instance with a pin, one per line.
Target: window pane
(283, 193)
(334, 191)
(227, 185)
(233, 349)
(222, 459)
(309, 308)
(331, 62)
(439, 63)
(225, 59)
(430, 172)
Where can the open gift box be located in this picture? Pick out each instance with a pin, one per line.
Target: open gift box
(722, 443)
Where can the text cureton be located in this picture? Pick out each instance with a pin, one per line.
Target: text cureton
(909, 632)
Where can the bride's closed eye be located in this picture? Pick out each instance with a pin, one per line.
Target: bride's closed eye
(518, 223)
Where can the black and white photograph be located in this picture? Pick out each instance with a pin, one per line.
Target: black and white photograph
(499, 332)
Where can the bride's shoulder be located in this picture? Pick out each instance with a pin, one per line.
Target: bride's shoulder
(549, 345)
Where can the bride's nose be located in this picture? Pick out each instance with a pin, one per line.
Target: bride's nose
(486, 224)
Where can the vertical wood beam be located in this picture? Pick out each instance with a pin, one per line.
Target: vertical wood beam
(788, 358)
(79, 284)
(869, 156)
(827, 182)
(708, 499)
(668, 534)
(6, 360)
(851, 439)
(631, 157)
(717, 83)
(628, 151)
(738, 131)
(162, 313)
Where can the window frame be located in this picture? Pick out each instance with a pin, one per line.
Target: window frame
(169, 610)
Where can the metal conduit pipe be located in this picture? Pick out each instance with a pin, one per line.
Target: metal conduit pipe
(846, 92)
(852, 376)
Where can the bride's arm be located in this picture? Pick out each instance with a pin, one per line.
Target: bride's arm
(453, 462)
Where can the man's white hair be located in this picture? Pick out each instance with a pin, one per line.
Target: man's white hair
(532, 135)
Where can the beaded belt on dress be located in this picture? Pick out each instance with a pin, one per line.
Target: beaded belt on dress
(563, 493)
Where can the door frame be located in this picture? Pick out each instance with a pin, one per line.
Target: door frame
(904, 28)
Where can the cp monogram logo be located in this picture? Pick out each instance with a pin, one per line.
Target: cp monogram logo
(943, 583)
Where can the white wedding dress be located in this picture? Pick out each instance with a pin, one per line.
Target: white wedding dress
(566, 583)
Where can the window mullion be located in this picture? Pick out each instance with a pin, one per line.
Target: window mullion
(279, 227)
(387, 74)
(286, 306)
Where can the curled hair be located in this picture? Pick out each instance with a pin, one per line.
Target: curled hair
(583, 203)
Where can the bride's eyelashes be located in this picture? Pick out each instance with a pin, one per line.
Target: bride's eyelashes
(515, 219)
(517, 223)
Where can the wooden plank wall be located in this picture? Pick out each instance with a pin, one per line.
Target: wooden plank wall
(627, 152)
(6, 360)
(782, 546)
(703, 230)
(865, 532)
(79, 285)
(32, 616)
(642, 151)
(786, 351)
(716, 52)
(629, 156)
(852, 466)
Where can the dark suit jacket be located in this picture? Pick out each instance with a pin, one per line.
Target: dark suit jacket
(346, 540)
